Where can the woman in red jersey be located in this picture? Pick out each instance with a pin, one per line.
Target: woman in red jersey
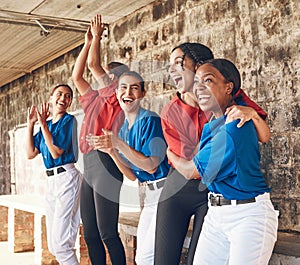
(102, 180)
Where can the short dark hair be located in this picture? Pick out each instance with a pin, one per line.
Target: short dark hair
(117, 68)
(137, 76)
(198, 52)
(59, 85)
(229, 71)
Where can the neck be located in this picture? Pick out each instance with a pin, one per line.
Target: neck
(57, 116)
(189, 99)
(130, 117)
(222, 107)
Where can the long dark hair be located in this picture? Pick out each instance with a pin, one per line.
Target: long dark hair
(198, 52)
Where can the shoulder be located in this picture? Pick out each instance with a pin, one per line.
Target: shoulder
(148, 115)
(175, 101)
(67, 119)
(245, 132)
(108, 90)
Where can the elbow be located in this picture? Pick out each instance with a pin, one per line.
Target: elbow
(30, 156)
(56, 155)
(265, 138)
(92, 64)
(76, 77)
(152, 171)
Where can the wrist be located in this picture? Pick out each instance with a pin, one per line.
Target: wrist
(30, 124)
(43, 124)
(255, 115)
(118, 144)
(97, 37)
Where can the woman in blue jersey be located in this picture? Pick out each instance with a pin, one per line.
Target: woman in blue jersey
(241, 224)
(57, 143)
(139, 151)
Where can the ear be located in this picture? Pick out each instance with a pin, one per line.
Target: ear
(144, 93)
(112, 76)
(229, 88)
(70, 103)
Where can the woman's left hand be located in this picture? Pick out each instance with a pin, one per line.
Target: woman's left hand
(44, 113)
(242, 113)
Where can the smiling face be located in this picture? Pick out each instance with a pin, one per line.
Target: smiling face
(61, 98)
(129, 93)
(211, 89)
(182, 71)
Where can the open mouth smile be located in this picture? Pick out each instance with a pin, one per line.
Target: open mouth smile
(127, 100)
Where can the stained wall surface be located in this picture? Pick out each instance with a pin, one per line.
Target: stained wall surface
(261, 37)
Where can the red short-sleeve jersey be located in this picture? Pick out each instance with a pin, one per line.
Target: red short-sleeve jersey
(101, 110)
(182, 126)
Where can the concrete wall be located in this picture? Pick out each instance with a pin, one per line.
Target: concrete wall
(261, 37)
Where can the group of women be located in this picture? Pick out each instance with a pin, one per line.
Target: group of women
(199, 159)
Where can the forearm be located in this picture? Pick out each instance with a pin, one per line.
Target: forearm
(53, 149)
(30, 148)
(185, 167)
(122, 165)
(94, 63)
(78, 71)
(262, 128)
(148, 164)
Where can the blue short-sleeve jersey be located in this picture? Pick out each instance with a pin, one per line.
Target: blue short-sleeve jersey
(228, 160)
(146, 136)
(64, 136)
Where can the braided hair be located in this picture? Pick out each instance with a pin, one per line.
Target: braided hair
(198, 53)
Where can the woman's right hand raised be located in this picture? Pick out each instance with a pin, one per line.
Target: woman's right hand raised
(32, 115)
(44, 113)
(97, 28)
(88, 36)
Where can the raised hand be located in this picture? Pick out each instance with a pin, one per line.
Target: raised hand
(97, 27)
(44, 113)
(31, 115)
(88, 36)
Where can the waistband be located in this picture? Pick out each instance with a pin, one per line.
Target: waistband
(219, 200)
(154, 184)
(60, 169)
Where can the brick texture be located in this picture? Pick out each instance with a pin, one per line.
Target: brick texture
(3, 223)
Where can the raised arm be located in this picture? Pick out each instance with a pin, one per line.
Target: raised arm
(245, 114)
(31, 151)
(77, 76)
(94, 63)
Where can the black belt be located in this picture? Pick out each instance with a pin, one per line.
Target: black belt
(58, 170)
(157, 184)
(219, 200)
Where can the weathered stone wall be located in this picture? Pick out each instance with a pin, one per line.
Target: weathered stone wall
(262, 37)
